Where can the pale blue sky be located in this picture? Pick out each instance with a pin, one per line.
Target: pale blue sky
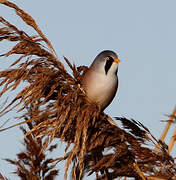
(143, 33)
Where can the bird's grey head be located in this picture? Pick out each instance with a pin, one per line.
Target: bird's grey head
(106, 62)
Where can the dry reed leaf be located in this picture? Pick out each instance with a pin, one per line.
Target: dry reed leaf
(57, 107)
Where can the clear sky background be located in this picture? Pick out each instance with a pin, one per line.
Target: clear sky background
(143, 33)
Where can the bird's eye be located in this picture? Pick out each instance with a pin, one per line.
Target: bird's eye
(107, 58)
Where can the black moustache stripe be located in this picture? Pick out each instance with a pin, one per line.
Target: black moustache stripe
(108, 65)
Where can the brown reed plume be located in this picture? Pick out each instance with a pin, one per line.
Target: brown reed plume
(60, 109)
(30, 163)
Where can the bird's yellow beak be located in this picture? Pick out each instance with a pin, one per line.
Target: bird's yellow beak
(116, 60)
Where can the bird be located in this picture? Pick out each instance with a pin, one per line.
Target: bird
(100, 81)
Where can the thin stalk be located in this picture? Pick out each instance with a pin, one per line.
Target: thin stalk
(172, 141)
(171, 119)
(141, 174)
